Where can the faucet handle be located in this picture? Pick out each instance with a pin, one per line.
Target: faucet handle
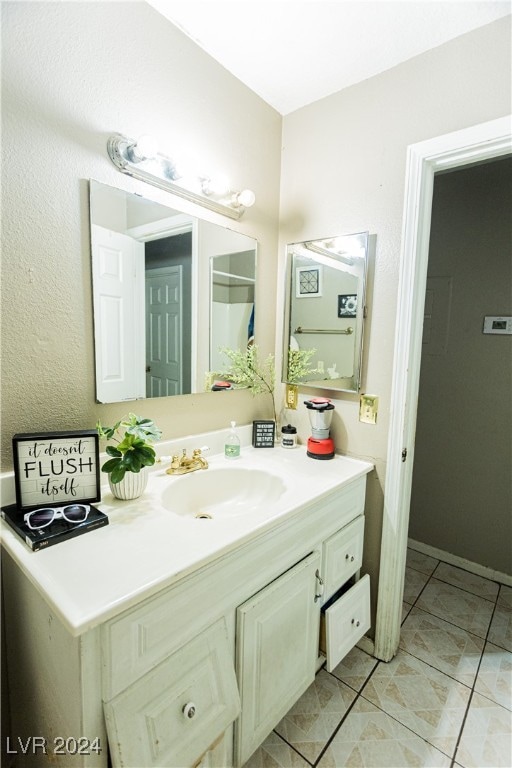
(203, 449)
(175, 463)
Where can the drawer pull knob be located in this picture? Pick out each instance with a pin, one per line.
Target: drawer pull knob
(319, 586)
(349, 557)
(357, 623)
(189, 710)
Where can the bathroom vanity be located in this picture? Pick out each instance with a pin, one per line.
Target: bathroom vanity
(172, 639)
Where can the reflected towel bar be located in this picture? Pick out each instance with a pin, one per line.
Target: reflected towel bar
(345, 332)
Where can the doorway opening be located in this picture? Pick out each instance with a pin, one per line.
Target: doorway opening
(461, 494)
(472, 145)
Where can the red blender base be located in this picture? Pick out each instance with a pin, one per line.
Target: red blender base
(320, 449)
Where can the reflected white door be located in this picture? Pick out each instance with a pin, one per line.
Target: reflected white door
(164, 364)
(118, 271)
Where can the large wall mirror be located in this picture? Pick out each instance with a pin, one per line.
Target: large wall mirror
(169, 291)
(326, 307)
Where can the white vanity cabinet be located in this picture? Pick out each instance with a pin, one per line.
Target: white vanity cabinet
(198, 671)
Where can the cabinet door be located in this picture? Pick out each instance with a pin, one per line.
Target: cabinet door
(174, 714)
(346, 621)
(277, 649)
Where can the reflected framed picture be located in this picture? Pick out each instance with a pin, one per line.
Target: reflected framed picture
(347, 305)
(308, 282)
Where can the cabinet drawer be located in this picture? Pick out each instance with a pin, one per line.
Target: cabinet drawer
(176, 712)
(346, 621)
(342, 556)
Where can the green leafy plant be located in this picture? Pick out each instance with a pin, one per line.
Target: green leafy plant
(133, 450)
(247, 371)
(298, 364)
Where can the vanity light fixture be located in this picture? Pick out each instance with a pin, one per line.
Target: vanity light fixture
(243, 199)
(330, 259)
(317, 249)
(141, 160)
(144, 148)
(217, 187)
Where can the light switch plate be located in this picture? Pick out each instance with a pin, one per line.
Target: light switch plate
(498, 325)
(368, 408)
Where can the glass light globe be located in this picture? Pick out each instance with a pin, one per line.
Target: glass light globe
(145, 147)
(246, 198)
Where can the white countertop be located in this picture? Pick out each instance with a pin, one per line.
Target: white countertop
(145, 548)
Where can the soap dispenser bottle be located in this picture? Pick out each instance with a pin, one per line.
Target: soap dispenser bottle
(232, 444)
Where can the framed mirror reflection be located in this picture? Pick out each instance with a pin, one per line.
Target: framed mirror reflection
(169, 290)
(325, 309)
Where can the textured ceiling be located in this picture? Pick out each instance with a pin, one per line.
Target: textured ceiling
(293, 52)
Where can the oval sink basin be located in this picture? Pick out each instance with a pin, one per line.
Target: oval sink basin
(222, 493)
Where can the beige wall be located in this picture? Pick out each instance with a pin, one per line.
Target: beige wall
(343, 170)
(461, 495)
(74, 73)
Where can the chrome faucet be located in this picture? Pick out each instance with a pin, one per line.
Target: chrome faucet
(182, 465)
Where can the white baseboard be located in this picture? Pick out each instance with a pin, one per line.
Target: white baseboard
(461, 562)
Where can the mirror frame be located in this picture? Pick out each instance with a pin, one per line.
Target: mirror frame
(353, 383)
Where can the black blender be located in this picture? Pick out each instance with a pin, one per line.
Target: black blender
(320, 444)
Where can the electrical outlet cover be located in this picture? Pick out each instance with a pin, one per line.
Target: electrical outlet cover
(368, 408)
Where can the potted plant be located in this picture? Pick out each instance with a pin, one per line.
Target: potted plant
(130, 455)
(248, 372)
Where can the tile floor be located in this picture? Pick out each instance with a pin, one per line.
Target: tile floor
(444, 700)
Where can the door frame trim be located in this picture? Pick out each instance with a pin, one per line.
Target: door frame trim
(468, 146)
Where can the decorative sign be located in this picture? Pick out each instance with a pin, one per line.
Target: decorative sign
(56, 468)
(263, 434)
(347, 305)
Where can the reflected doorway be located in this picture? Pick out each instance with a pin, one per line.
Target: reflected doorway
(168, 280)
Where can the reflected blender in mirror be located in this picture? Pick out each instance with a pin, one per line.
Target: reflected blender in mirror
(169, 290)
(325, 309)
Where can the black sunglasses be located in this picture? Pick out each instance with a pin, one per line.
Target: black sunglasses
(40, 518)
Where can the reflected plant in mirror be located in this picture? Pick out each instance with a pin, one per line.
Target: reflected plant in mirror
(247, 371)
(299, 368)
(326, 281)
(299, 365)
(169, 289)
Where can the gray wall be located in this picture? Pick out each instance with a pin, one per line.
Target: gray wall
(461, 495)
